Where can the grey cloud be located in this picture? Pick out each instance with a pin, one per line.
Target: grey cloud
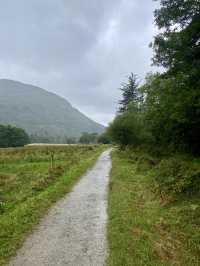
(79, 49)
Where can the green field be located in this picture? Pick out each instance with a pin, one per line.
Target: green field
(145, 229)
(31, 180)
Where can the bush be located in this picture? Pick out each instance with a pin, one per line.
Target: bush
(104, 138)
(176, 176)
(12, 137)
(88, 138)
(128, 129)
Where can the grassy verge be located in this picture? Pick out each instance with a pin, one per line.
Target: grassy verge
(31, 181)
(143, 229)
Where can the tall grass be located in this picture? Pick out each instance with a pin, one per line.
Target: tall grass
(152, 220)
(31, 179)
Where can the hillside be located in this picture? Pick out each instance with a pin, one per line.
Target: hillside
(39, 111)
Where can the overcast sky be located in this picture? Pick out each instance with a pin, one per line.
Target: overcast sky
(80, 49)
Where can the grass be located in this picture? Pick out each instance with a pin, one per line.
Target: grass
(142, 228)
(31, 180)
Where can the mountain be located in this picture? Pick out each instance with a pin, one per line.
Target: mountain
(41, 112)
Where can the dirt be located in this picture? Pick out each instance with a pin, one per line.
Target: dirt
(74, 231)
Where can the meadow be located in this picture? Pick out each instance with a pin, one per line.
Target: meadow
(31, 180)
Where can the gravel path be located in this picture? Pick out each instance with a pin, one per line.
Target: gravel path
(74, 231)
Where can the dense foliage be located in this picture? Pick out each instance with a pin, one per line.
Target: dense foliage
(128, 127)
(130, 93)
(165, 111)
(12, 137)
(104, 138)
(178, 46)
(88, 138)
(46, 138)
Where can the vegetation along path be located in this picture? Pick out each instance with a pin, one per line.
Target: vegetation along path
(73, 232)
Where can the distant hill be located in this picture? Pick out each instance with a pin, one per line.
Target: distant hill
(42, 112)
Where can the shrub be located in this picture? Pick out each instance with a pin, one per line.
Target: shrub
(12, 137)
(104, 138)
(128, 129)
(176, 176)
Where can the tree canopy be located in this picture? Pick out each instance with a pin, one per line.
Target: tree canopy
(165, 110)
(12, 136)
(130, 93)
(88, 138)
(177, 48)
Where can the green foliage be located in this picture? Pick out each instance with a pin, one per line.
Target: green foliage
(157, 198)
(68, 140)
(104, 138)
(12, 137)
(176, 12)
(46, 138)
(178, 46)
(172, 112)
(127, 128)
(175, 176)
(88, 138)
(166, 109)
(177, 49)
(130, 93)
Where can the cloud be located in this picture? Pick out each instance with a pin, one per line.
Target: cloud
(82, 50)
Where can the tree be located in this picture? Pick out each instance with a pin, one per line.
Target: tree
(130, 93)
(104, 138)
(177, 48)
(43, 138)
(168, 114)
(12, 137)
(128, 127)
(88, 138)
(69, 140)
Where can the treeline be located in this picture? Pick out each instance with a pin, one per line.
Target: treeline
(164, 112)
(89, 138)
(11, 136)
(85, 138)
(46, 138)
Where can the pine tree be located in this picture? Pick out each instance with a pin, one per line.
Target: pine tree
(130, 93)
